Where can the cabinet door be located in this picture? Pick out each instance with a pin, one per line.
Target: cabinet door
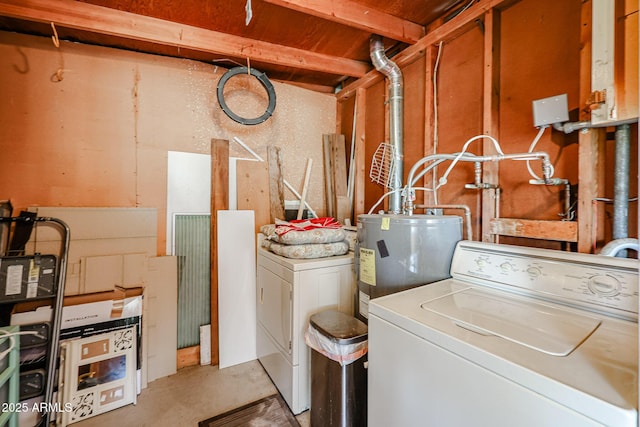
(326, 288)
(275, 307)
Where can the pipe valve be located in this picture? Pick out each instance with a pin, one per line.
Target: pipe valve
(546, 171)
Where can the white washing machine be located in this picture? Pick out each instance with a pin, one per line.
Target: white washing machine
(517, 337)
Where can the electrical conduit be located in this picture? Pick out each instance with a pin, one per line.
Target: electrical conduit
(621, 186)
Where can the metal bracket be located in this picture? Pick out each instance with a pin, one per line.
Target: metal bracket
(596, 99)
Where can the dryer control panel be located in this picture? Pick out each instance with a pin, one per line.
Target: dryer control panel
(589, 281)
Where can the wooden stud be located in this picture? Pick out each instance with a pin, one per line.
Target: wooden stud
(589, 172)
(358, 189)
(491, 116)
(589, 143)
(431, 55)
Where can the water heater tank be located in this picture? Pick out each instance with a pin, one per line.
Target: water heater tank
(398, 252)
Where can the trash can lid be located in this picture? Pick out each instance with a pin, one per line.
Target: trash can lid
(339, 327)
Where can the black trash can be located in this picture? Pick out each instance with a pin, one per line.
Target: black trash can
(338, 370)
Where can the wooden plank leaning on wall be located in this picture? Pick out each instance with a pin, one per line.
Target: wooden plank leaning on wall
(219, 201)
(253, 190)
(276, 183)
(190, 356)
(335, 171)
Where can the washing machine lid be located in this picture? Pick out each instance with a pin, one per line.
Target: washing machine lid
(599, 378)
(534, 324)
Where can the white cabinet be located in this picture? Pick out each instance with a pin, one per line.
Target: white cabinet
(289, 291)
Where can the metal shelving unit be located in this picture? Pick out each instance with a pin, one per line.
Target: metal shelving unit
(56, 298)
(9, 375)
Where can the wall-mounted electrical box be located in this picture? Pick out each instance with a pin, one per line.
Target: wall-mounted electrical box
(550, 110)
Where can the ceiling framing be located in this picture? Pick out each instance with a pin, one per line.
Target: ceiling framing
(320, 44)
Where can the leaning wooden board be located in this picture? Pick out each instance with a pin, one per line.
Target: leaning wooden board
(252, 183)
(219, 201)
(328, 174)
(336, 177)
(276, 184)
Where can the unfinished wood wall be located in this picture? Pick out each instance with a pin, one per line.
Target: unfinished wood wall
(376, 131)
(459, 116)
(627, 46)
(100, 136)
(515, 53)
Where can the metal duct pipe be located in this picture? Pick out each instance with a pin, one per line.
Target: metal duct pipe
(436, 159)
(569, 127)
(621, 186)
(396, 94)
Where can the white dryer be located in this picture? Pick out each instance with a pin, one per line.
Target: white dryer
(517, 337)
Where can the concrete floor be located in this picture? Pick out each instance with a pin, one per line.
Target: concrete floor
(192, 395)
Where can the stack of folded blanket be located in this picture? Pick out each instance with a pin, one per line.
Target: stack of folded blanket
(309, 238)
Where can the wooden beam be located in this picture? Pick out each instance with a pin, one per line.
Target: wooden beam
(359, 153)
(490, 117)
(430, 126)
(219, 201)
(359, 16)
(563, 231)
(447, 31)
(104, 20)
(308, 86)
(589, 144)
(590, 174)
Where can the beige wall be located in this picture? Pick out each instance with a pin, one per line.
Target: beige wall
(100, 136)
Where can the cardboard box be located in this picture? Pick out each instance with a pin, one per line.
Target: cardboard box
(88, 315)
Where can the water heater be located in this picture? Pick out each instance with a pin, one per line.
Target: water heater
(398, 252)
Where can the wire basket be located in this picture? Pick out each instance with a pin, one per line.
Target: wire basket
(383, 164)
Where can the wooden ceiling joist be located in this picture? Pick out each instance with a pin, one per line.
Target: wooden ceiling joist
(102, 20)
(308, 86)
(358, 16)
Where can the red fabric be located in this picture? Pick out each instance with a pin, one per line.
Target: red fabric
(283, 227)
